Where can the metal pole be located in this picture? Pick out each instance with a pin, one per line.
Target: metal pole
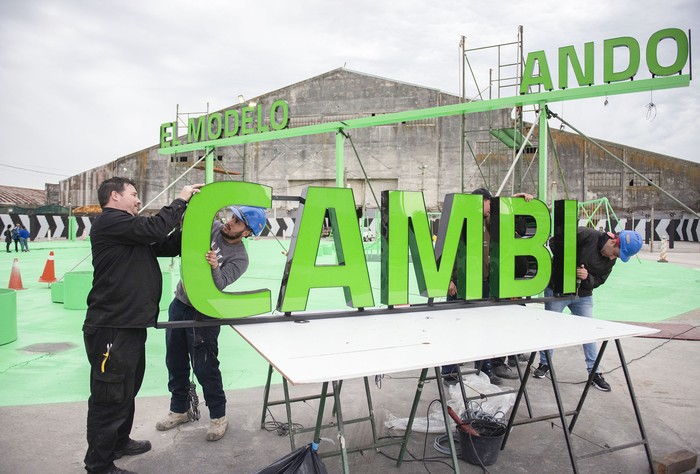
(542, 153)
(339, 159)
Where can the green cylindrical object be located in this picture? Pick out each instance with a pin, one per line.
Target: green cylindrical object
(57, 290)
(8, 316)
(78, 284)
(76, 288)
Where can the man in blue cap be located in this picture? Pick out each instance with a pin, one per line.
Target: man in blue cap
(200, 346)
(596, 254)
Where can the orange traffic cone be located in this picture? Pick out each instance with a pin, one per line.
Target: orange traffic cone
(15, 277)
(48, 276)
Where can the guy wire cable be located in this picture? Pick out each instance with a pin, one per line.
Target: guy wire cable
(143, 208)
(647, 180)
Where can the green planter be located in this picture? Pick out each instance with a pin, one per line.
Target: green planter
(8, 316)
(77, 285)
(57, 291)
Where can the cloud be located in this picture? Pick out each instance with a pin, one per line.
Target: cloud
(83, 83)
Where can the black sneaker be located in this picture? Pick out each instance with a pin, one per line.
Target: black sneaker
(600, 383)
(540, 371)
(132, 448)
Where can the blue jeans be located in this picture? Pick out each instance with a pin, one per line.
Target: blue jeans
(200, 347)
(581, 306)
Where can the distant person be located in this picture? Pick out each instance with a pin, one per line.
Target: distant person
(8, 237)
(15, 236)
(596, 254)
(24, 238)
(123, 302)
(200, 346)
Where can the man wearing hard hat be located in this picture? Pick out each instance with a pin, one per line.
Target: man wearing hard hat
(596, 254)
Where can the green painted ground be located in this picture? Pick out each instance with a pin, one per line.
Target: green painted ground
(643, 291)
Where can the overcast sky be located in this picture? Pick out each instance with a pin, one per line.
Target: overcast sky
(85, 82)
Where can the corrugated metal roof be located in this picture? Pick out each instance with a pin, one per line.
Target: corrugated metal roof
(25, 197)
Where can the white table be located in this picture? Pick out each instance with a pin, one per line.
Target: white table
(339, 348)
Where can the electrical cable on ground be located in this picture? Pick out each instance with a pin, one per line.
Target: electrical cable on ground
(282, 429)
(143, 208)
(631, 360)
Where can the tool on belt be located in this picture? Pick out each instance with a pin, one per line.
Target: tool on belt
(106, 356)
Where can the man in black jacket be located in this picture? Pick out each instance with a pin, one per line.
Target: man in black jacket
(122, 303)
(596, 254)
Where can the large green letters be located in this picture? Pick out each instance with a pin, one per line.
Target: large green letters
(506, 245)
(301, 273)
(196, 242)
(563, 244)
(584, 76)
(681, 41)
(405, 225)
(609, 46)
(529, 79)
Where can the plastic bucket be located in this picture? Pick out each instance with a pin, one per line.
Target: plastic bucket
(8, 316)
(481, 450)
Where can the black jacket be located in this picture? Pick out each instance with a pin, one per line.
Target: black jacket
(127, 282)
(588, 245)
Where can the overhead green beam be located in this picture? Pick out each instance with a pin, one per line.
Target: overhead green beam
(658, 83)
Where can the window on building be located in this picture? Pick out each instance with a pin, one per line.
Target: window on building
(634, 179)
(603, 179)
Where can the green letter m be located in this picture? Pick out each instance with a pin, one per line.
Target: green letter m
(405, 224)
(195, 129)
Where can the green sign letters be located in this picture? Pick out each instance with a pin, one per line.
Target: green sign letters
(458, 250)
(248, 120)
(537, 61)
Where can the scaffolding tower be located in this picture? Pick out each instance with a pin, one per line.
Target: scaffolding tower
(494, 148)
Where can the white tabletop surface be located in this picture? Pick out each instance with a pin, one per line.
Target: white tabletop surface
(329, 349)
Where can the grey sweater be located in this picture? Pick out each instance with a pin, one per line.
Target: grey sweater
(233, 262)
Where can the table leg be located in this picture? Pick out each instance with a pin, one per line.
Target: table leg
(633, 397)
(266, 397)
(447, 418)
(412, 416)
(562, 414)
(341, 429)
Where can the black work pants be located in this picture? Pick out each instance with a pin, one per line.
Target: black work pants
(198, 347)
(113, 388)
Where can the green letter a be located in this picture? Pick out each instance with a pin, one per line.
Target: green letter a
(301, 272)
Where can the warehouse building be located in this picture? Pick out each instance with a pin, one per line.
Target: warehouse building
(436, 156)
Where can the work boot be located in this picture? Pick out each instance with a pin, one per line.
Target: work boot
(171, 421)
(132, 448)
(495, 379)
(504, 372)
(217, 428)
